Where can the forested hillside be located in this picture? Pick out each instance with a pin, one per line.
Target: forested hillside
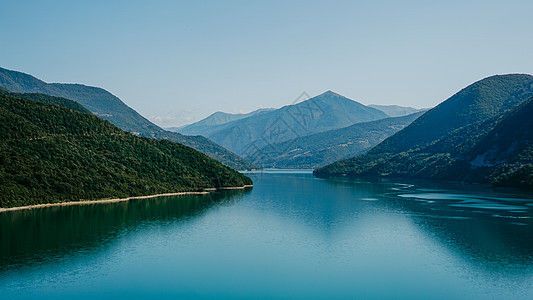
(50, 153)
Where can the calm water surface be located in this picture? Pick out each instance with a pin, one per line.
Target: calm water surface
(292, 236)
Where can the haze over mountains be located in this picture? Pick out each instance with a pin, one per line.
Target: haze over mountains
(481, 134)
(209, 124)
(107, 106)
(396, 110)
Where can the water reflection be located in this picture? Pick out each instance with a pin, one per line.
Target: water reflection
(491, 228)
(327, 206)
(292, 236)
(488, 227)
(33, 236)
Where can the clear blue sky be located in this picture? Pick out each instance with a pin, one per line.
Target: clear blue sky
(177, 62)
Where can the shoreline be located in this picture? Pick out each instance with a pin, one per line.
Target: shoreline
(235, 187)
(115, 200)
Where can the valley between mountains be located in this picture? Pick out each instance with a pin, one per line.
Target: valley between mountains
(67, 142)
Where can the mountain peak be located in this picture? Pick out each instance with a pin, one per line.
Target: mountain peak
(331, 97)
(330, 93)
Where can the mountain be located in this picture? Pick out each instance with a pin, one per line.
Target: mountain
(477, 135)
(321, 113)
(323, 148)
(50, 153)
(396, 110)
(109, 107)
(208, 125)
(478, 102)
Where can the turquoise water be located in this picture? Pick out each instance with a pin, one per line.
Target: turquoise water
(291, 236)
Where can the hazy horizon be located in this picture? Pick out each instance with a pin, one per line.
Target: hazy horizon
(176, 63)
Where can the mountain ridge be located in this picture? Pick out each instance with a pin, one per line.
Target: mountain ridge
(216, 118)
(323, 112)
(440, 117)
(109, 107)
(441, 143)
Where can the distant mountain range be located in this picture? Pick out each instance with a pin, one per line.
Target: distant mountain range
(208, 125)
(481, 134)
(107, 106)
(56, 151)
(267, 127)
(396, 110)
(308, 134)
(319, 149)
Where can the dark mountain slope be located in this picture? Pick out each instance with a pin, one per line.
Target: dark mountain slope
(506, 152)
(487, 134)
(49, 153)
(507, 140)
(109, 107)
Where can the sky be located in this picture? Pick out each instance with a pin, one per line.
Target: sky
(176, 62)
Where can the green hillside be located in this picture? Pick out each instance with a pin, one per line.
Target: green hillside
(109, 107)
(51, 153)
(481, 134)
(478, 102)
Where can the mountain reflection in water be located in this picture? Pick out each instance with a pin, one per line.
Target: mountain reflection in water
(291, 236)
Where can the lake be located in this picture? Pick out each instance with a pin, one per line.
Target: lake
(291, 236)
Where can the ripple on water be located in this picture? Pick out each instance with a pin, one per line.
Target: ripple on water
(448, 217)
(511, 217)
(430, 190)
(434, 196)
(490, 206)
(369, 199)
(477, 202)
(520, 224)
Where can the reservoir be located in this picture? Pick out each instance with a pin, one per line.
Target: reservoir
(291, 236)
